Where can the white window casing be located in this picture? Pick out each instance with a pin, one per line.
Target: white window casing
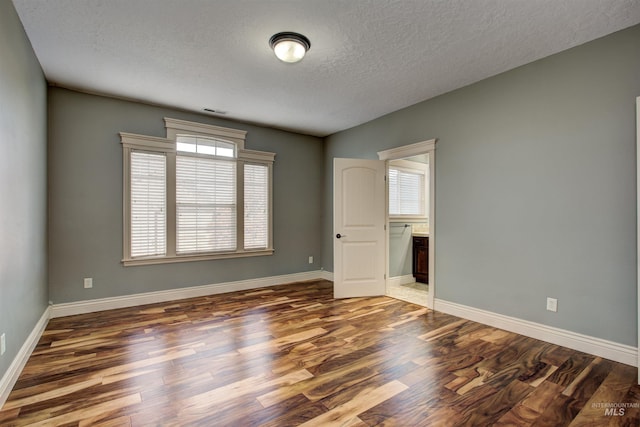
(217, 196)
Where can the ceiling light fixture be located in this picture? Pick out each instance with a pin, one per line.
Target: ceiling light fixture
(289, 47)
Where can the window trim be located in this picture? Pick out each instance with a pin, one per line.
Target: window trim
(176, 127)
(131, 142)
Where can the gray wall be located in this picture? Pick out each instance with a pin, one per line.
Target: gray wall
(85, 211)
(535, 187)
(400, 249)
(23, 186)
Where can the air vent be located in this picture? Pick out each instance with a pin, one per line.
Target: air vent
(211, 110)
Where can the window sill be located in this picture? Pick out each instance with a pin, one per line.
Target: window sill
(408, 218)
(198, 257)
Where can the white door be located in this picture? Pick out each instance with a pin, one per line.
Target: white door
(359, 213)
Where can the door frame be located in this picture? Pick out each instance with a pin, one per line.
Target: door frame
(424, 147)
(638, 222)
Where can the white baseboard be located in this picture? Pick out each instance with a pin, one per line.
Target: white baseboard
(90, 306)
(326, 275)
(401, 280)
(596, 346)
(11, 376)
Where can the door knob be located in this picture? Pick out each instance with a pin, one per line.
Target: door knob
(340, 235)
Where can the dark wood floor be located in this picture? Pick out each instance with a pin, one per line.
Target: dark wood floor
(292, 355)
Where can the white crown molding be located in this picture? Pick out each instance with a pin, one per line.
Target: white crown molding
(260, 156)
(596, 346)
(407, 150)
(11, 376)
(90, 306)
(133, 140)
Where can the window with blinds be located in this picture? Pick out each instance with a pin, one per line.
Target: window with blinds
(406, 192)
(206, 205)
(256, 206)
(148, 200)
(197, 194)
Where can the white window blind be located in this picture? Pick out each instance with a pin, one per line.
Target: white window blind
(256, 206)
(205, 204)
(148, 204)
(406, 192)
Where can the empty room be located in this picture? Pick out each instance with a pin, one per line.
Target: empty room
(319, 213)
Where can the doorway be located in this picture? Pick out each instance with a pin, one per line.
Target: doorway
(408, 225)
(411, 225)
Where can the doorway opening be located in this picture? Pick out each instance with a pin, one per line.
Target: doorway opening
(411, 222)
(408, 225)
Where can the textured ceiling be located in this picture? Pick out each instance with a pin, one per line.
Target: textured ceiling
(367, 58)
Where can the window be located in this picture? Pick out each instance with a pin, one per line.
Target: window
(148, 204)
(256, 206)
(205, 203)
(407, 189)
(197, 194)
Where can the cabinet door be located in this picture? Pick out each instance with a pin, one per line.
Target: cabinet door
(421, 259)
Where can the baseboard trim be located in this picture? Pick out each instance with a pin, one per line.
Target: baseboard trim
(401, 280)
(90, 306)
(11, 376)
(327, 275)
(596, 346)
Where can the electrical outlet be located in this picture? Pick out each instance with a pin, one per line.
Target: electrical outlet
(88, 282)
(552, 304)
(310, 260)
(3, 344)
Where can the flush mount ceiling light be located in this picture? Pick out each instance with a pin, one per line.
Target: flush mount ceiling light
(289, 47)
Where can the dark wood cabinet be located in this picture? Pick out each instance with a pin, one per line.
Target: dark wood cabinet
(421, 259)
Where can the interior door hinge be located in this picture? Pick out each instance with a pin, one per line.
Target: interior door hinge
(385, 276)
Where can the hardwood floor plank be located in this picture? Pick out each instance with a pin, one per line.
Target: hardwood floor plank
(57, 392)
(571, 368)
(284, 341)
(489, 410)
(241, 388)
(292, 355)
(114, 422)
(295, 416)
(607, 402)
(81, 416)
(519, 415)
(542, 396)
(348, 411)
(414, 405)
(560, 412)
